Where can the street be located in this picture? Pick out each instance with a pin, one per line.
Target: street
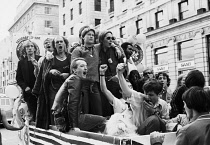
(9, 137)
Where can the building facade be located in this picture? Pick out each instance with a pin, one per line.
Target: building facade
(37, 17)
(177, 32)
(88, 12)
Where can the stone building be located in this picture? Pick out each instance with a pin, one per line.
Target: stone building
(88, 12)
(177, 32)
(36, 17)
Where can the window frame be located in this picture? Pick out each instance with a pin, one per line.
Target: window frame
(156, 62)
(139, 29)
(122, 29)
(64, 3)
(99, 20)
(71, 14)
(64, 19)
(47, 10)
(72, 30)
(48, 23)
(157, 21)
(97, 5)
(179, 50)
(180, 9)
(80, 8)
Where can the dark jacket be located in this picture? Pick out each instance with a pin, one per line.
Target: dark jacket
(41, 89)
(22, 76)
(72, 86)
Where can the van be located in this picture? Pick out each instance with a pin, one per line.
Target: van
(6, 104)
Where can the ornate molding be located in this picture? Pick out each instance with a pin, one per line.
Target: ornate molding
(173, 39)
(149, 45)
(185, 36)
(201, 31)
(160, 43)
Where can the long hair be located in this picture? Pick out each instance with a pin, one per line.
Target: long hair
(66, 43)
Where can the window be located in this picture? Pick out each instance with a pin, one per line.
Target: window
(161, 56)
(64, 19)
(64, 33)
(64, 3)
(2, 101)
(48, 24)
(71, 14)
(159, 19)
(97, 22)
(7, 102)
(97, 5)
(209, 4)
(122, 31)
(111, 6)
(47, 10)
(139, 26)
(80, 8)
(185, 50)
(123, 0)
(72, 31)
(183, 10)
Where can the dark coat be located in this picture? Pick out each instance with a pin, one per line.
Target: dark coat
(22, 76)
(73, 87)
(41, 89)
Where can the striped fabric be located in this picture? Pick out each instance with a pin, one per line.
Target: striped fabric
(51, 137)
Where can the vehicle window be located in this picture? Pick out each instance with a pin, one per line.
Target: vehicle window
(2, 101)
(7, 102)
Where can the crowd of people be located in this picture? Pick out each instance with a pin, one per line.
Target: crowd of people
(95, 86)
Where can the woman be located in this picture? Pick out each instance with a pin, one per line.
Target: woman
(52, 74)
(180, 80)
(197, 107)
(108, 56)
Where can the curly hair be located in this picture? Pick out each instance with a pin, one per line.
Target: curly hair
(166, 75)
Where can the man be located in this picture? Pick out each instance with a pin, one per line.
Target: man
(128, 50)
(25, 75)
(48, 48)
(151, 122)
(72, 85)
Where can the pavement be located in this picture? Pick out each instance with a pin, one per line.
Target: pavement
(9, 137)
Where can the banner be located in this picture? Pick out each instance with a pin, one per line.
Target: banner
(19, 38)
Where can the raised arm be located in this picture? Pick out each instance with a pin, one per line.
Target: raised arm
(123, 83)
(104, 89)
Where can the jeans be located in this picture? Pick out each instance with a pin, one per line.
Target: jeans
(92, 123)
(91, 98)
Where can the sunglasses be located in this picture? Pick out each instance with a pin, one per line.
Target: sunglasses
(110, 38)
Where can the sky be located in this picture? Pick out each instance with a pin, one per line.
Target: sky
(7, 14)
